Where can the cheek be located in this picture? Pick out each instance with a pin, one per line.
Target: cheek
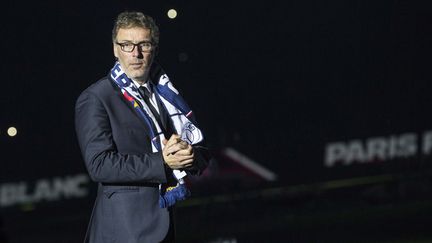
(148, 56)
(121, 58)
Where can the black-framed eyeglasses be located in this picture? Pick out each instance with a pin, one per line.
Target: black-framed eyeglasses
(144, 46)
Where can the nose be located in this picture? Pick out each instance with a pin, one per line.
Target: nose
(137, 52)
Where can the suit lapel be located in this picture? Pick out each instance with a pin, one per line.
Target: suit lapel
(128, 105)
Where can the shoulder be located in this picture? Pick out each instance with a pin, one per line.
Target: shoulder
(103, 88)
(100, 92)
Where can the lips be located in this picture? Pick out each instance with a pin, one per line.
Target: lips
(136, 65)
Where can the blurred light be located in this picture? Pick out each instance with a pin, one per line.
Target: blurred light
(183, 57)
(12, 131)
(172, 13)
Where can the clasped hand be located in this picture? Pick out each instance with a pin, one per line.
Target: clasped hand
(177, 153)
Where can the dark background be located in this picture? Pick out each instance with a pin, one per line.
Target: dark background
(276, 81)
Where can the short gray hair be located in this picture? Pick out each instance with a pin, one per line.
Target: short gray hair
(128, 19)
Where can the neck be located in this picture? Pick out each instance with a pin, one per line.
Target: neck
(140, 82)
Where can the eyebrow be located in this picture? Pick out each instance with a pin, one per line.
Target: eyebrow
(130, 42)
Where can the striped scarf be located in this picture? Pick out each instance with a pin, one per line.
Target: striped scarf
(179, 112)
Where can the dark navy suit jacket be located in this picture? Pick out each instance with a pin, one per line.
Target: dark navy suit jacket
(116, 147)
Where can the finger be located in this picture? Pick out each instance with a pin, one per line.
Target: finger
(173, 149)
(182, 159)
(184, 152)
(176, 158)
(179, 146)
(187, 163)
(176, 164)
(174, 139)
(184, 143)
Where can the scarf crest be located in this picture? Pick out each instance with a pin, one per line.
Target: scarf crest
(179, 112)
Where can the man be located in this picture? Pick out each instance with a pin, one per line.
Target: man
(138, 138)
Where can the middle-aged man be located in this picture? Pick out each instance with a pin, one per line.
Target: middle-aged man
(139, 140)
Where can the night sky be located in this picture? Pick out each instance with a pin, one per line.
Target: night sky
(276, 82)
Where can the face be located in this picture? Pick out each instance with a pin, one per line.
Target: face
(135, 64)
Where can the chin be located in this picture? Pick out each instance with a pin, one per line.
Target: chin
(136, 74)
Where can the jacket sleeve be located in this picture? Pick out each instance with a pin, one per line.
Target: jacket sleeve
(201, 160)
(104, 163)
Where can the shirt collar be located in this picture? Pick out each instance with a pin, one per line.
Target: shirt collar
(146, 85)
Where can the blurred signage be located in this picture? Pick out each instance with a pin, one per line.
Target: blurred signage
(46, 189)
(384, 148)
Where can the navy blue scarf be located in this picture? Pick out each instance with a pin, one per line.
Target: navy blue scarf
(179, 112)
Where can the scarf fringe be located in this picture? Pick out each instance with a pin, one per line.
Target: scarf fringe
(173, 195)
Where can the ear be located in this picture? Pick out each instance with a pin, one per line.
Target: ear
(154, 54)
(156, 51)
(115, 50)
